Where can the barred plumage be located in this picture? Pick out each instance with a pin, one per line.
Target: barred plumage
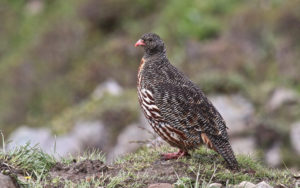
(176, 108)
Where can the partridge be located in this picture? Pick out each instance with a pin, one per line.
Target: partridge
(176, 108)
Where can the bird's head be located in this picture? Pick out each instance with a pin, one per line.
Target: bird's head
(151, 43)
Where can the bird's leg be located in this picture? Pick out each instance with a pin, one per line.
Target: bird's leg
(176, 155)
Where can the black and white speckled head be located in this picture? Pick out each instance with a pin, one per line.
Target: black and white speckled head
(152, 44)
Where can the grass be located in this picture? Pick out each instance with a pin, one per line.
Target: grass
(29, 166)
(26, 163)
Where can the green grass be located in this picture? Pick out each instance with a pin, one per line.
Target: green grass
(26, 163)
(29, 166)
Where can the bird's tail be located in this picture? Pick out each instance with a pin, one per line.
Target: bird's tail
(223, 147)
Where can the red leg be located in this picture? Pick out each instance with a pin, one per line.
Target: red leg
(176, 155)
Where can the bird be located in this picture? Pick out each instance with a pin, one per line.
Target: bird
(176, 108)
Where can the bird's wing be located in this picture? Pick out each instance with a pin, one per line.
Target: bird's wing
(187, 109)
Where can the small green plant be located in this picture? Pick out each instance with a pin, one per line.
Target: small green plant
(30, 159)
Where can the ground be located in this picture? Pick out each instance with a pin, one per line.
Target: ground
(30, 166)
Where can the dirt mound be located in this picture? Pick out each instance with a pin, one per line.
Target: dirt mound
(78, 170)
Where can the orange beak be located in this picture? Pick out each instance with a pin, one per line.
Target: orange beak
(140, 43)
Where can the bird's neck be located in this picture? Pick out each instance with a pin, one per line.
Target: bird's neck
(154, 55)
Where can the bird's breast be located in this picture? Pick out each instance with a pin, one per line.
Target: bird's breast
(140, 70)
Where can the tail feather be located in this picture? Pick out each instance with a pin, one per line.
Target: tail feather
(223, 147)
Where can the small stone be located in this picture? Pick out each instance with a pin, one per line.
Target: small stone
(161, 185)
(6, 181)
(215, 185)
(296, 176)
(246, 184)
(263, 185)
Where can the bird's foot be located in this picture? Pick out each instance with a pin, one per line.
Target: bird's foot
(176, 155)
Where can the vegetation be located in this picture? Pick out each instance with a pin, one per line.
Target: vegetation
(30, 166)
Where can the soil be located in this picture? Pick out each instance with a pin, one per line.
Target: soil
(94, 168)
(77, 171)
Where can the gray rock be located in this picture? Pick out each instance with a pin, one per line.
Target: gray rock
(110, 86)
(279, 97)
(24, 134)
(215, 185)
(6, 181)
(64, 146)
(91, 134)
(84, 135)
(245, 184)
(129, 140)
(295, 136)
(263, 185)
(273, 156)
(243, 145)
(237, 111)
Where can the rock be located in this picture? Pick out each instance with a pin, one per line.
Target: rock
(64, 146)
(91, 134)
(273, 156)
(110, 86)
(6, 181)
(215, 185)
(245, 184)
(263, 185)
(279, 97)
(243, 145)
(161, 185)
(237, 111)
(83, 136)
(297, 176)
(129, 140)
(295, 136)
(24, 134)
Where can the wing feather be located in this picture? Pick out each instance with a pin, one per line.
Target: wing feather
(187, 109)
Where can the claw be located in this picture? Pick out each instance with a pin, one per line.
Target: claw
(176, 155)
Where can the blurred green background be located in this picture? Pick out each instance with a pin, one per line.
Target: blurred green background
(53, 54)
